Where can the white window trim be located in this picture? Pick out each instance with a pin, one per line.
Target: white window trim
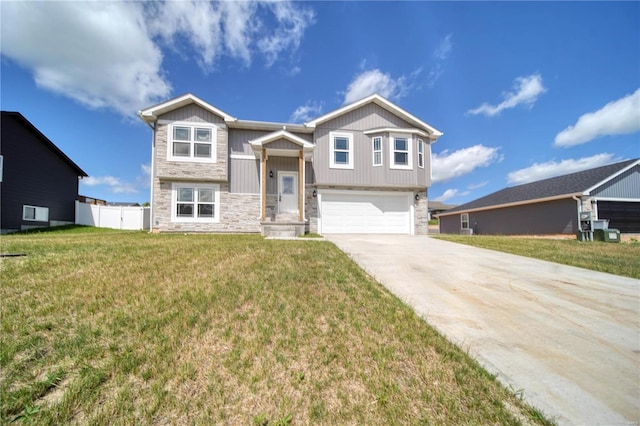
(392, 158)
(463, 220)
(193, 125)
(332, 163)
(421, 154)
(374, 150)
(41, 213)
(216, 203)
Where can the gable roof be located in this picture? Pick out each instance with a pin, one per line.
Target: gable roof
(384, 103)
(45, 140)
(149, 115)
(566, 186)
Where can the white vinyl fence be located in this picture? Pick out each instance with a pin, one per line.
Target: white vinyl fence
(116, 217)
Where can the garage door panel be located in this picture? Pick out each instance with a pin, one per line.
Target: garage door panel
(366, 213)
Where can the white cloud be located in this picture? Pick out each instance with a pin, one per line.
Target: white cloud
(549, 169)
(375, 81)
(443, 51)
(478, 185)
(115, 185)
(621, 116)
(108, 54)
(525, 92)
(451, 193)
(448, 165)
(306, 112)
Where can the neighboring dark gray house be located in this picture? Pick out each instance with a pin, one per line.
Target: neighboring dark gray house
(437, 207)
(39, 182)
(551, 206)
(363, 168)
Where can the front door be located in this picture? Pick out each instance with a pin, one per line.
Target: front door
(288, 192)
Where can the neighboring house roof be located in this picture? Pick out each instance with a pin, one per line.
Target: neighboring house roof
(437, 205)
(382, 102)
(574, 184)
(26, 123)
(123, 204)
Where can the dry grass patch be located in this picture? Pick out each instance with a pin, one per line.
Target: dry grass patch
(103, 328)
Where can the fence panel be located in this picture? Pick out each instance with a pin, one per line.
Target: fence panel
(114, 217)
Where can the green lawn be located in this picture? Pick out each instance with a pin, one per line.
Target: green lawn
(104, 327)
(614, 258)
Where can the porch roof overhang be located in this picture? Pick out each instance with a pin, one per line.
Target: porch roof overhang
(262, 143)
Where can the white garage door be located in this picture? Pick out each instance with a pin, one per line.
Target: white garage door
(365, 213)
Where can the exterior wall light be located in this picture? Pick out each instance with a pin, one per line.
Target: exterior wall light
(315, 193)
(417, 197)
(271, 174)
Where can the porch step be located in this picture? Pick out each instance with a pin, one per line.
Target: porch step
(287, 217)
(282, 230)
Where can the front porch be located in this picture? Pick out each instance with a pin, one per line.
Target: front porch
(282, 183)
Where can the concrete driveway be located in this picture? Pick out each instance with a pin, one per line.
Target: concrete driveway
(567, 337)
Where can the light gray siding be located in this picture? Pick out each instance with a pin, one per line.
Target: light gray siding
(192, 112)
(626, 185)
(244, 176)
(239, 139)
(551, 217)
(283, 144)
(364, 174)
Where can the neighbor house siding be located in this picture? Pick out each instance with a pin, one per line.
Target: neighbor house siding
(34, 175)
(364, 174)
(626, 185)
(551, 217)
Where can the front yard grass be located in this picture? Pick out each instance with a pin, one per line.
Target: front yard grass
(133, 328)
(614, 258)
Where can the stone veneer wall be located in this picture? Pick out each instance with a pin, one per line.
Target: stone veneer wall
(238, 212)
(421, 214)
(311, 209)
(191, 170)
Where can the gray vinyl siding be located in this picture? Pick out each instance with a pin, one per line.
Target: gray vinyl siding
(551, 217)
(239, 140)
(34, 175)
(283, 144)
(193, 113)
(364, 174)
(626, 185)
(244, 176)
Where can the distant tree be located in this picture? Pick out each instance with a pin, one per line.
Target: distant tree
(146, 204)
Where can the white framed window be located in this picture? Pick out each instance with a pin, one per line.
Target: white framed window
(341, 150)
(195, 142)
(376, 144)
(420, 153)
(34, 213)
(400, 152)
(195, 202)
(464, 221)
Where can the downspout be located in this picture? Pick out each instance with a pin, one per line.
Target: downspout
(152, 175)
(579, 209)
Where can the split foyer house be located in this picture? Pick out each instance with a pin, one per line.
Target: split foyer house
(39, 183)
(552, 206)
(363, 168)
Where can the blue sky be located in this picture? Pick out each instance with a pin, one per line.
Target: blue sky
(522, 91)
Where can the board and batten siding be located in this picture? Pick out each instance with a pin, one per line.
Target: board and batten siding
(625, 185)
(364, 174)
(239, 140)
(244, 176)
(193, 113)
(550, 217)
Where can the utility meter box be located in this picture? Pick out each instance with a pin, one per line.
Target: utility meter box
(607, 235)
(586, 222)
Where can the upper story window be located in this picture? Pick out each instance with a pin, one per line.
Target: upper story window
(341, 148)
(195, 203)
(377, 151)
(400, 152)
(420, 153)
(191, 142)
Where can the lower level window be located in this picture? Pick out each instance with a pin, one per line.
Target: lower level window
(195, 203)
(464, 220)
(36, 214)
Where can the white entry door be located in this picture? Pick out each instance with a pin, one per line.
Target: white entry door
(288, 192)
